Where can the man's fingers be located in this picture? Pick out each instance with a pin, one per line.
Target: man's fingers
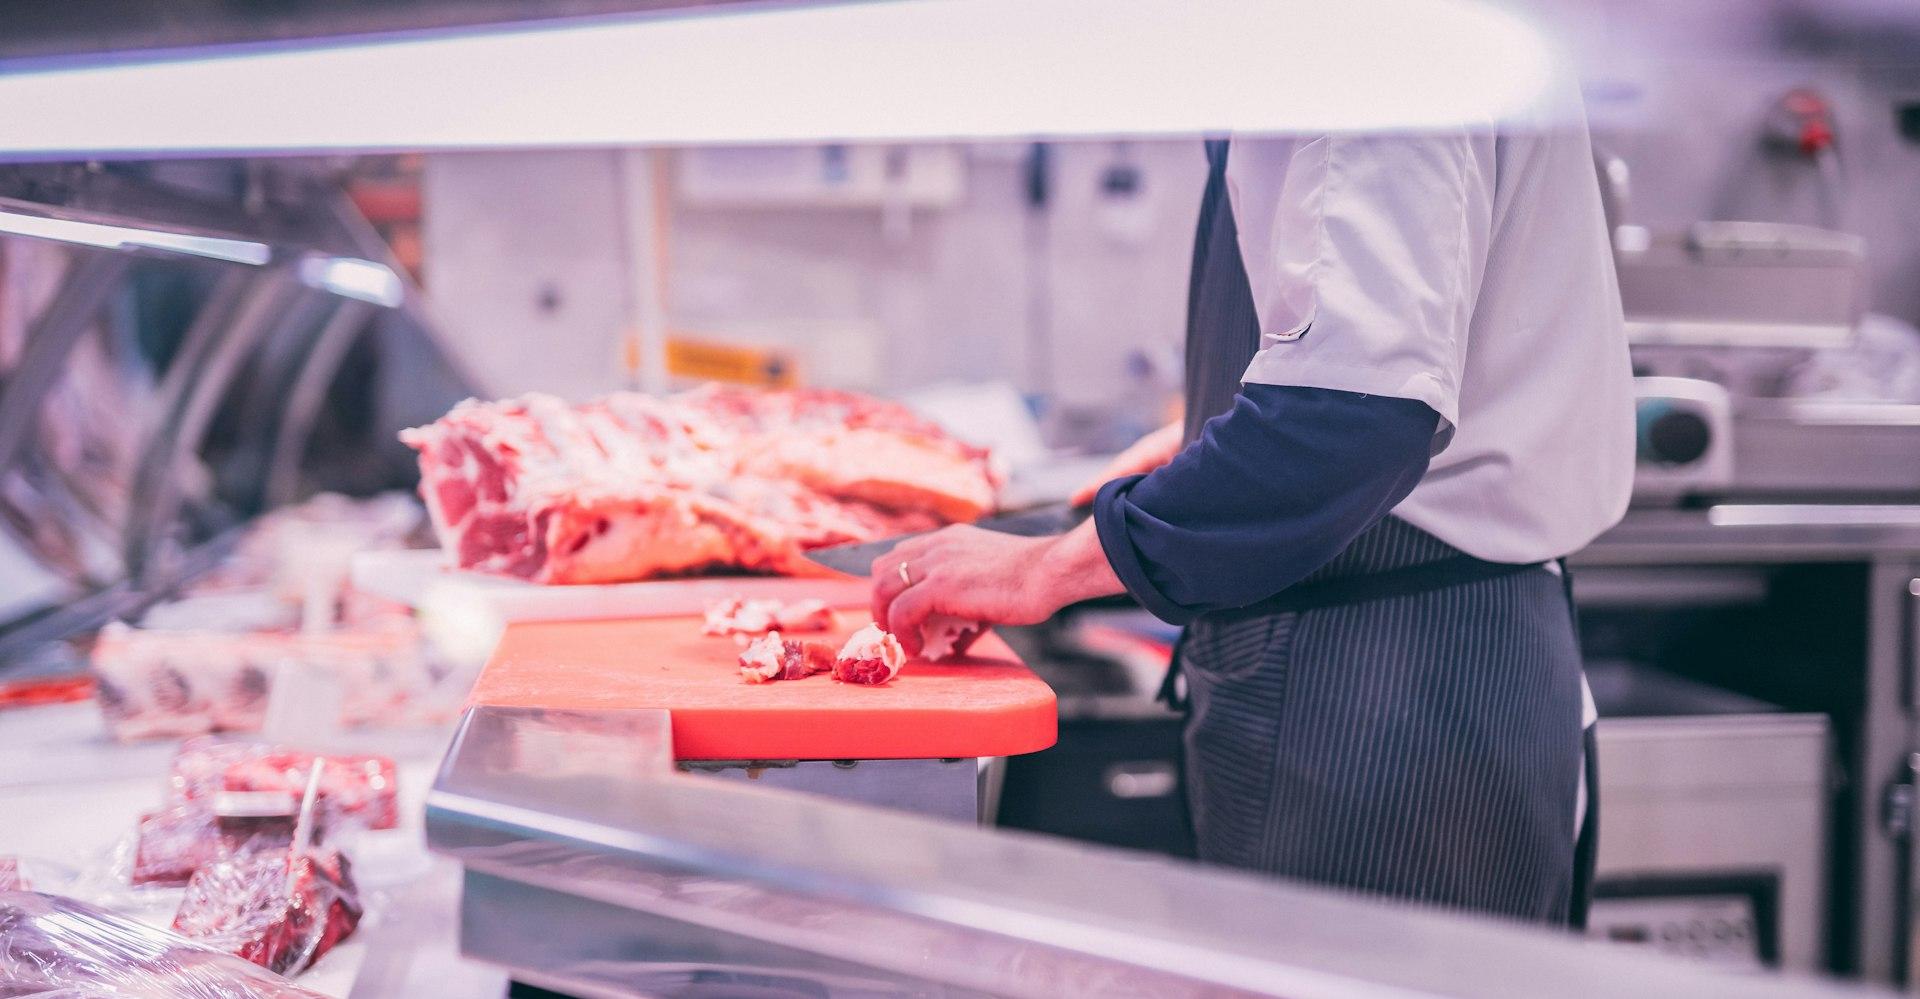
(889, 581)
(887, 578)
(907, 613)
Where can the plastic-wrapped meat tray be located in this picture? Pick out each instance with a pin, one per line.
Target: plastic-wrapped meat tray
(227, 799)
(277, 909)
(354, 790)
(51, 946)
(156, 683)
(174, 842)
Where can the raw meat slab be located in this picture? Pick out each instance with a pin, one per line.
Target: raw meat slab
(631, 486)
(986, 704)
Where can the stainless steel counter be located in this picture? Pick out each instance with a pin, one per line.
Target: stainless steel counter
(1759, 532)
(592, 866)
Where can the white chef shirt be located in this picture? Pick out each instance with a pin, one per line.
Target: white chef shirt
(1468, 270)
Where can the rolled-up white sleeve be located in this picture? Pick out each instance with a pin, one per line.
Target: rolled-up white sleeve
(1366, 260)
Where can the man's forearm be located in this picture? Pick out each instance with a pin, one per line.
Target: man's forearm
(1270, 492)
(1072, 568)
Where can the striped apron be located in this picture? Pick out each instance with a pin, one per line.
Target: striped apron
(1407, 720)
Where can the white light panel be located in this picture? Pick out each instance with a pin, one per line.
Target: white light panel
(894, 70)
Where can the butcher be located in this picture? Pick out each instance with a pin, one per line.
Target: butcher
(1407, 398)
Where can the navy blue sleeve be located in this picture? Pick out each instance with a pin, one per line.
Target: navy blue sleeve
(1271, 491)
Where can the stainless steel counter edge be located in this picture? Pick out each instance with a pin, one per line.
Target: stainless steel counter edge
(1755, 532)
(589, 804)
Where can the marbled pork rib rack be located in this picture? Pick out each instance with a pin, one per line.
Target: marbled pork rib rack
(631, 486)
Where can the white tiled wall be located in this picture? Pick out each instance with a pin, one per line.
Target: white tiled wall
(527, 270)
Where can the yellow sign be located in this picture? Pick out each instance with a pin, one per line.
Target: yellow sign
(709, 360)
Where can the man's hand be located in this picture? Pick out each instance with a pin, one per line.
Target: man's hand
(1145, 455)
(978, 575)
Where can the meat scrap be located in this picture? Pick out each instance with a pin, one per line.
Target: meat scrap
(631, 486)
(278, 909)
(869, 657)
(735, 616)
(771, 657)
(943, 637)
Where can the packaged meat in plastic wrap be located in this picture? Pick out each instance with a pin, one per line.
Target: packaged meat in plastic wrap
(358, 791)
(354, 790)
(158, 684)
(11, 878)
(172, 843)
(279, 909)
(51, 946)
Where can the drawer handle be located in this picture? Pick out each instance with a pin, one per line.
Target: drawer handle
(1142, 779)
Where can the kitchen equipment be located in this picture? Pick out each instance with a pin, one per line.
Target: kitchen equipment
(1685, 441)
(1700, 439)
(1719, 316)
(1039, 522)
(1114, 777)
(1713, 821)
(1750, 284)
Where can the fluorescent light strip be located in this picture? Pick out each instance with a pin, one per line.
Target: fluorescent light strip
(899, 70)
(114, 237)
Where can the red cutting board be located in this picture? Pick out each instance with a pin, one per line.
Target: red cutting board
(988, 704)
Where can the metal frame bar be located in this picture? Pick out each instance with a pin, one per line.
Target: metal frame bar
(259, 406)
(1883, 744)
(361, 238)
(306, 396)
(190, 401)
(57, 331)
